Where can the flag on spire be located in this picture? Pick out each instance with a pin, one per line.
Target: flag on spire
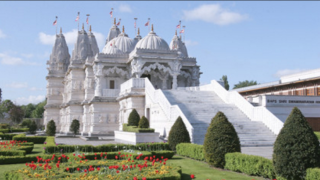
(182, 31)
(55, 22)
(118, 22)
(147, 24)
(179, 25)
(111, 12)
(78, 17)
(87, 20)
(135, 24)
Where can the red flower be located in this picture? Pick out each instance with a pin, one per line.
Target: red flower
(95, 154)
(85, 170)
(95, 158)
(135, 178)
(78, 169)
(192, 176)
(67, 169)
(116, 157)
(144, 178)
(119, 152)
(98, 168)
(57, 165)
(117, 171)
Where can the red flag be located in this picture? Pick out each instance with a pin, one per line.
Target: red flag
(178, 26)
(147, 24)
(54, 22)
(77, 18)
(135, 24)
(87, 20)
(111, 14)
(110, 44)
(182, 31)
(118, 23)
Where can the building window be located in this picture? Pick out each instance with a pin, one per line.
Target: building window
(111, 85)
(310, 92)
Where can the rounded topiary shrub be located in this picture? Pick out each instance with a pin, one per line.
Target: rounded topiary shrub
(33, 127)
(221, 138)
(178, 134)
(51, 128)
(296, 148)
(143, 123)
(134, 118)
(75, 126)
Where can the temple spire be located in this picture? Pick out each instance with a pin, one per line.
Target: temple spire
(60, 30)
(176, 32)
(114, 21)
(151, 27)
(90, 28)
(82, 26)
(138, 31)
(122, 29)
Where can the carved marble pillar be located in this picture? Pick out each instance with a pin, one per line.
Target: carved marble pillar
(98, 88)
(174, 81)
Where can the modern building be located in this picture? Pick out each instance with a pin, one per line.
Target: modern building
(300, 89)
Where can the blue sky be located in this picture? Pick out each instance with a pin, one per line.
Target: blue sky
(244, 40)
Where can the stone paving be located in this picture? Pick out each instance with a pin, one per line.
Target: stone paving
(264, 151)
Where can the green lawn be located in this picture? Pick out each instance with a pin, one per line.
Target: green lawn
(9, 167)
(203, 171)
(317, 134)
(37, 150)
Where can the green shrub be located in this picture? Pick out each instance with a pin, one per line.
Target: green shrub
(134, 118)
(4, 126)
(13, 153)
(163, 154)
(27, 149)
(51, 128)
(75, 126)
(178, 134)
(7, 136)
(127, 128)
(33, 127)
(34, 139)
(4, 130)
(193, 151)
(313, 174)
(20, 135)
(249, 164)
(317, 133)
(296, 148)
(143, 123)
(23, 159)
(221, 138)
(50, 141)
(19, 130)
(26, 123)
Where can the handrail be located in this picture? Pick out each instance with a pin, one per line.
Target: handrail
(171, 111)
(254, 113)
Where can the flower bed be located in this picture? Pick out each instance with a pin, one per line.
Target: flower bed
(126, 166)
(15, 148)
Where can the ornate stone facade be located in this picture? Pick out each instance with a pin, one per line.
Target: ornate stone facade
(86, 86)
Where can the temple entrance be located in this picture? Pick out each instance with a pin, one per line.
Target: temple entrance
(146, 76)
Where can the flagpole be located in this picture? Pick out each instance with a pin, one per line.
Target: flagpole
(111, 15)
(56, 25)
(135, 26)
(88, 21)
(149, 24)
(184, 33)
(78, 19)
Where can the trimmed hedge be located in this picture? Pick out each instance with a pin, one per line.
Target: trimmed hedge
(27, 149)
(106, 148)
(13, 153)
(136, 129)
(134, 118)
(193, 151)
(24, 159)
(21, 135)
(249, 164)
(313, 174)
(163, 154)
(4, 130)
(144, 122)
(34, 139)
(19, 130)
(50, 141)
(7, 136)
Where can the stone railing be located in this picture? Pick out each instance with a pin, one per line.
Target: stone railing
(110, 92)
(254, 113)
(133, 83)
(171, 111)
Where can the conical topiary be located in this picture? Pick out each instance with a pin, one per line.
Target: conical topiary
(178, 134)
(143, 123)
(33, 127)
(296, 148)
(75, 127)
(134, 118)
(51, 128)
(221, 138)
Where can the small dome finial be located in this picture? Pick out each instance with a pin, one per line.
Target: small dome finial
(122, 29)
(90, 28)
(82, 26)
(176, 32)
(60, 30)
(138, 31)
(151, 27)
(114, 21)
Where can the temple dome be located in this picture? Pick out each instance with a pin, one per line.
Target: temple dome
(111, 48)
(122, 42)
(114, 32)
(177, 44)
(152, 41)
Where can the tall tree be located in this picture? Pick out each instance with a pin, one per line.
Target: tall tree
(245, 84)
(38, 112)
(16, 114)
(225, 82)
(28, 110)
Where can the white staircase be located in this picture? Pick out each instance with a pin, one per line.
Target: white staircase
(200, 107)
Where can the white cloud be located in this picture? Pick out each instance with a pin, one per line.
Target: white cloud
(213, 13)
(17, 85)
(10, 60)
(285, 72)
(191, 43)
(2, 35)
(35, 89)
(125, 8)
(30, 99)
(71, 38)
(27, 55)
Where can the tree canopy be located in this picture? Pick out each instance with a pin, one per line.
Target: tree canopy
(245, 84)
(225, 81)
